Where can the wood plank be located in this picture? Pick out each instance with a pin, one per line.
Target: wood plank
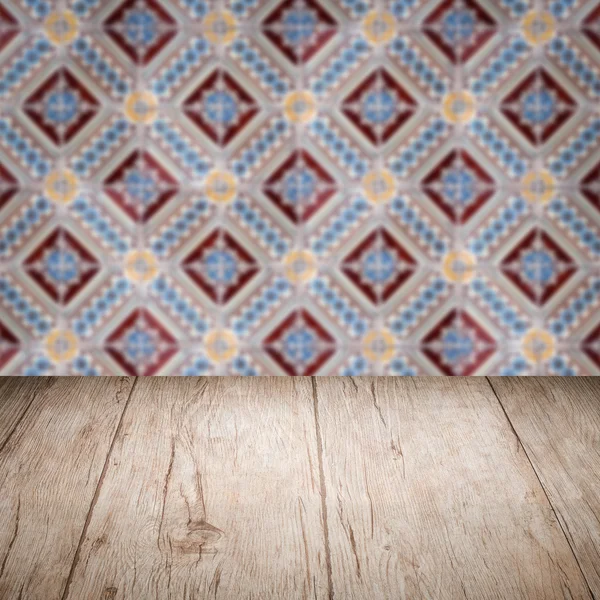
(212, 491)
(429, 495)
(16, 395)
(557, 420)
(49, 471)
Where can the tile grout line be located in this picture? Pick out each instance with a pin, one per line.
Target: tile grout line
(88, 517)
(323, 489)
(554, 512)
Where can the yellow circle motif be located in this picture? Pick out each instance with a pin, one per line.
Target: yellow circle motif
(379, 27)
(538, 345)
(301, 266)
(458, 107)
(379, 186)
(221, 345)
(61, 27)
(220, 27)
(141, 107)
(141, 265)
(300, 107)
(538, 27)
(221, 186)
(538, 187)
(61, 345)
(378, 346)
(61, 186)
(459, 266)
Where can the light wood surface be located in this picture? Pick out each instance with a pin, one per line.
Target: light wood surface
(49, 472)
(428, 496)
(558, 422)
(16, 396)
(217, 482)
(299, 488)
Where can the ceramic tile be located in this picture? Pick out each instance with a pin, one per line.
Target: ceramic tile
(299, 187)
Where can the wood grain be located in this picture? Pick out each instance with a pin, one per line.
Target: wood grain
(430, 496)
(49, 471)
(557, 420)
(16, 395)
(212, 492)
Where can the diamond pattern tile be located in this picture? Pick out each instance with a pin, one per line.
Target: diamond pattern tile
(299, 187)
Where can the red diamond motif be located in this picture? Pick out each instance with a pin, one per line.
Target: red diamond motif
(141, 28)
(140, 186)
(140, 344)
(299, 344)
(379, 107)
(459, 28)
(379, 266)
(300, 187)
(538, 266)
(591, 26)
(590, 186)
(220, 107)
(9, 27)
(538, 107)
(220, 266)
(9, 344)
(458, 345)
(299, 29)
(9, 185)
(61, 266)
(458, 186)
(591, 346)
(61, 107)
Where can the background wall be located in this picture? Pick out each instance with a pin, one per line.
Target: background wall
(299, 187)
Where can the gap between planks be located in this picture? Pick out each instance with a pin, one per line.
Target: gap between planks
(97, 493)
(456, 438)
(41, 383)
(49, 470)
(323, 489)
(535, 471)
(209, 537)
(322, 482)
